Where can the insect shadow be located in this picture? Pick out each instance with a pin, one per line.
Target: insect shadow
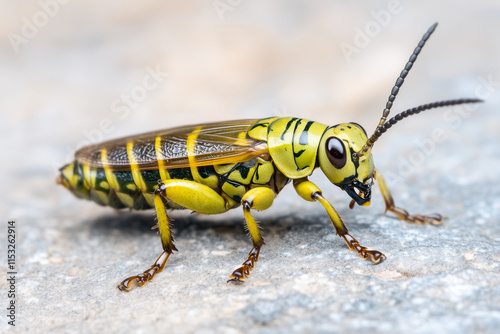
(127, 224)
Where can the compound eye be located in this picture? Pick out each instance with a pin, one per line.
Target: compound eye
(335, 151)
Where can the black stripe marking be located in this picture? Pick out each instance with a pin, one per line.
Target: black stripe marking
(259, 124)
(296, 154)
(288, 127)
(234, 183)
(243, 171)
(257, 170)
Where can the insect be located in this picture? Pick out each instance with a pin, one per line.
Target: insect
(212, 168)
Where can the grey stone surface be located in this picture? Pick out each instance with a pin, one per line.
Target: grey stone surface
(262, 59)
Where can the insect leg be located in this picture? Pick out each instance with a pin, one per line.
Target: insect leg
(434, 219)
(310, 192)
(166, 240)
(260, 198)
(189, 194)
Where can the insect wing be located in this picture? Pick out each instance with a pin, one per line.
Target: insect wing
(201, 145)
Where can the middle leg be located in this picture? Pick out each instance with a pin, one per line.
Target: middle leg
(260, 198)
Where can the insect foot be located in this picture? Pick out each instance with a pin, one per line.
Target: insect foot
(148, 275)
(433, 219)
(375, 256)
(390, 206)
(244, 271)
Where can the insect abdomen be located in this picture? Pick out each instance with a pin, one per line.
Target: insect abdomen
(121, 189)
(110, 188)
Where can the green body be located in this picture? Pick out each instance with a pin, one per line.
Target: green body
(292, 153)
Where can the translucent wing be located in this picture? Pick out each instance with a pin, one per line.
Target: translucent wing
(203, 144)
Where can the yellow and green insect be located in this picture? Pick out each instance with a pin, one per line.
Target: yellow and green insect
(212, 168)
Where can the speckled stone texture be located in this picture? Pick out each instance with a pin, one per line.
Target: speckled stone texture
(264, 58)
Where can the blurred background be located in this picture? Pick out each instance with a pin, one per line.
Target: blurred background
(77, 72)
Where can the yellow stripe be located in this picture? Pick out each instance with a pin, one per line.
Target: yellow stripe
(134, 168)
(86, 175)
(69, 172)
(113, 182)
(89, 176)
(90, 179)
(191, 142)
(159, 157)
(127, 200)
(242, 139)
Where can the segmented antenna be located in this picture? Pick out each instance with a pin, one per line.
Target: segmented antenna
(395, 90)
(419, 109)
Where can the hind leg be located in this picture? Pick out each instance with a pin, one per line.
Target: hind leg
(189, 194)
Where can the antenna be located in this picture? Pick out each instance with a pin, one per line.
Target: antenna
(395, 91)
(419, 109)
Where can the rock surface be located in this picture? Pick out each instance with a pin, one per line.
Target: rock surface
(260, 60)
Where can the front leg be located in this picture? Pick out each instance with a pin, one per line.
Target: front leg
(310, 192)
(434, 219)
